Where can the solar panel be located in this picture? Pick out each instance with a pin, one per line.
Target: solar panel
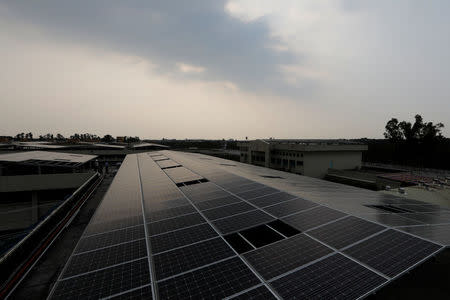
(429, 218)
(188, 258)
(392, 252)
(438, 233)
(257, 193)
(102, 258)
(278, 258)
(144, 292)
(240, 188)
(184, 259)
(345, 231)
(212, 282)
(272, 199)
(312, 218)
(257, 293)
(105, 282)
(289, 207)
(242, 221)
(110, 238)
(335, 277)
(196, 198)
(228, 210)
(174, 223)
(217, 202)
(181, 237)
(170, 213)
(390, 219)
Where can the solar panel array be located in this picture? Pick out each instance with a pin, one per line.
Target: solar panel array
(172, 227)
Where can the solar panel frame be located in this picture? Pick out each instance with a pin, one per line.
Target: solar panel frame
(182, 237)
(242, 221)
(215, 281)
(176, 223)
(104, 282)
(283, 256)
(227, 210)
(180, 260)
(334, 277)
(289, 207)
(346, 231)
(312, 218)
(392, 252)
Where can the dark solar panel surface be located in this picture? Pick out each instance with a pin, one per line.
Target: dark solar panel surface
(257, 193)
(104, 282)
(190, 257)
(440, 233)
(346, 231)
(196, 198)
(181, 237)
(289, 207)
(137, 294)
(212, 282)
(217, 202)
(392, 252)
(335, 277)
(312, 218)
(119, 223)
(190, 260)
(242, 221)
(110, 238)
(228, 210)
(102, 258)
(170, 213)
(174, 223)
(261, 293)
(283, 256)
(391, 219)
(271, 199)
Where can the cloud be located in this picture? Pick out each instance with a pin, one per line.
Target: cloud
(186, 68)
(309, 68)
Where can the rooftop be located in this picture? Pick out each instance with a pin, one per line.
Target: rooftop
(205, 228)
(46, 158)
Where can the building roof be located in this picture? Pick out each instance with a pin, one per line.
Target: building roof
(47, 158)
(38, 145)
(143, 145)
(200, 228)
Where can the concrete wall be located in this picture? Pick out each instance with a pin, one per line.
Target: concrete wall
(316, 164)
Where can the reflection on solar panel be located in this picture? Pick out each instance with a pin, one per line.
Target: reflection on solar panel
(175, 226)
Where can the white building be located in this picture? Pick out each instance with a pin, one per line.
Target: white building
(302, 157)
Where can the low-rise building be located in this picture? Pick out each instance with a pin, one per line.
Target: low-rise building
(310, 158)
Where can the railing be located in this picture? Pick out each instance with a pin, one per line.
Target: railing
(14, 260)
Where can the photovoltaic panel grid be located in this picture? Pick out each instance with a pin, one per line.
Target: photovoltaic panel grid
(177, 226)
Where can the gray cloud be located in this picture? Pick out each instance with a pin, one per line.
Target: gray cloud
(194, 32)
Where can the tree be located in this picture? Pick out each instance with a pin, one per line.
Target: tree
(420, 131)
(59, 136)
(392, 132)
(108, 138)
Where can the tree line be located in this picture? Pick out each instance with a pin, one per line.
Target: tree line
(82, 137)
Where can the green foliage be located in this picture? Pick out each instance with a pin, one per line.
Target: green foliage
(420, 131)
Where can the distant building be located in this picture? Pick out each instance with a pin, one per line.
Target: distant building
(121, 139)
(310, 158)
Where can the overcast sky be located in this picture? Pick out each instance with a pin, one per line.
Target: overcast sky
(222, 69)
